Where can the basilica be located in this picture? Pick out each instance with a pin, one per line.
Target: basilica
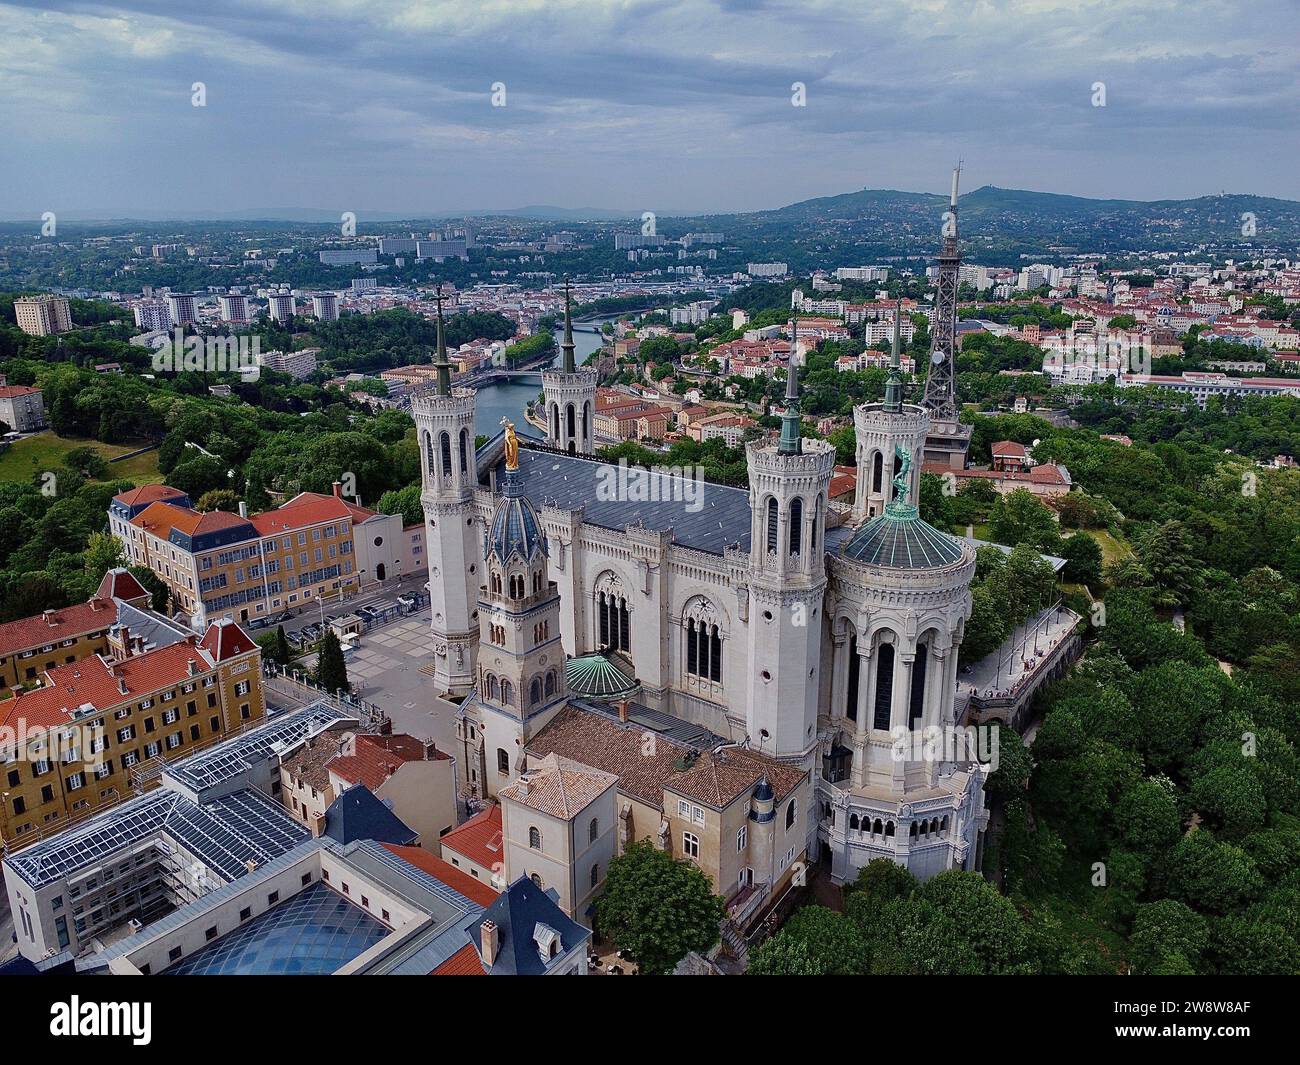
(809, 633)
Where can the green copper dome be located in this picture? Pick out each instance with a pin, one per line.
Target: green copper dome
(899, 539)
(599, 676)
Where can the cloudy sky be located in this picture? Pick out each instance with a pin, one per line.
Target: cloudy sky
(666, 105)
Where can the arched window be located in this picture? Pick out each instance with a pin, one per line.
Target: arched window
(790, 813)
(703, 640)
(878, 828)
(624, 627)
(877, 471)
(853, 822)
(912, 831)
(593, 830)
(817, 520)
(464, 451)
(916, 702)
(569, 422)
(494, 688)
(715, 656)
(898, 466)
(586, 421)
(602, 612)
(855, 666)
(771, 524)
(550, 684)
(444, 445)
(534, 839)
(503, 760)
(595, 874)
(796, 527)
(692, 647)
(884, 686)
(507, 693)
(535, 878)
(535, 691)
(496, 583)
(555, 421)
(428, 452)
(889, 828)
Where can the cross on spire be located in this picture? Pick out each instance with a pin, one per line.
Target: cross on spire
(567, 345)
(441, 363)
(790, 443)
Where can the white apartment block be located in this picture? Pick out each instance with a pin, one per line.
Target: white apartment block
(42, 316)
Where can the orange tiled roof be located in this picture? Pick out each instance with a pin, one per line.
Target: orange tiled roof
(479, 838)
(377, 758)
(474, 890)
(148, 493)
(161, 518)
(95, 680)
(300, 512)
(56, 625)
(225, 639)
(465, 962)
(120, 584)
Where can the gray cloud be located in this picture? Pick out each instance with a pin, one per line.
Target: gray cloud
(663, 105)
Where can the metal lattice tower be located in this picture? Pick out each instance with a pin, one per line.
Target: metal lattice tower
(941, 383)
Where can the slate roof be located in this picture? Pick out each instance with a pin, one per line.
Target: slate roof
(357, 814)
(573, 481)
(517, 912)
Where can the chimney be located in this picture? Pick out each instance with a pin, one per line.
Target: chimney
(96, 604)
(125, 636)
(47, 616)
(338, 489)
(491, 942)
(191, 667)
(121, 686)
(243, 509)
(622, 710)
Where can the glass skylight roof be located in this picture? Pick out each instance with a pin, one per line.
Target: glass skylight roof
(312, 934)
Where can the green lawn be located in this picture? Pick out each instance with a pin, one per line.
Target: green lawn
(1112, 547)
(45, 451)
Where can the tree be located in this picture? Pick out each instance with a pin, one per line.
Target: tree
(1164, 929)
(816, 939)
(1209, 875)
(159, 595)
(658, 908)
(218, 499)
(1019, 518)
(331, 670)
(1011, 775)
(1147, 816)
(1082, 556)
(404, 501)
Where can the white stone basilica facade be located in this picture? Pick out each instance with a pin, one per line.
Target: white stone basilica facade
(764, 616)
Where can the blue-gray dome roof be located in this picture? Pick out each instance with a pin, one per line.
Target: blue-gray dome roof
(515, 525)
(899, 539)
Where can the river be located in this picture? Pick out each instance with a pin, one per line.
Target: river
(507, 399)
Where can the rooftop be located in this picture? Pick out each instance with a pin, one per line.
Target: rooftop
(478, 839)
(559, 787)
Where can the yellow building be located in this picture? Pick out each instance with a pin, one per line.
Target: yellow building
(43, 315)
(101, 729)
(231, 565)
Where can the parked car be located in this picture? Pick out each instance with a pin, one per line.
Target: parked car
(282, 617)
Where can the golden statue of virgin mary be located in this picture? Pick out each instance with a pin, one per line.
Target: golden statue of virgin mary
(512, 445)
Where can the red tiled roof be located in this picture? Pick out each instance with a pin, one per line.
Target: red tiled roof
(465, 962)
(62, 624)
(225, 639)
(1008, 447)
(161, 518)
(377, 758)
(479, 838)
(148, 493)
(300, 512)
(95, 680)
(16, 391)
(472, 889)
(120, 584)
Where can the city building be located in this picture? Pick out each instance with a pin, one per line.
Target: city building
(559, 825)
(297, 364)
(43, 315)
(325, 306)
(348, 256)
(152, 315)
(234, 309)
(22, 408)
(218, 564)
(182, 307)
(124, 716)
(766, 269)
(280, 306)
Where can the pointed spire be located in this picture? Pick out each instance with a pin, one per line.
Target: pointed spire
(441, 363)
(790, 443)
(567, 345)
(950, 238)
(894, 386)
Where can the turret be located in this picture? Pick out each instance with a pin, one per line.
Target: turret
(569, 395)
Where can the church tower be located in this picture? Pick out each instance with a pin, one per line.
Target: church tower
(570, 396)
(444, 420)
(789, 484)
(519, 682)
(883, 430)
